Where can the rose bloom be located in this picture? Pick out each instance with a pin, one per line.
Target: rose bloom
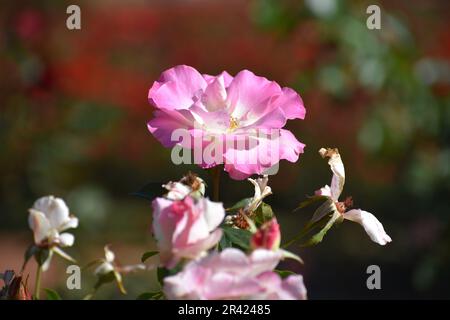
(231, 274)
(186, 228)
(241, 118)
(49, 218)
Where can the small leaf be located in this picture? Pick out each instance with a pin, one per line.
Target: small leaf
(150, 191)
(318, 237)
(41, 255)
(238, 237)
(52, 294)
(104, 278)
(150, 296)
(309, 201)
(148, 255)
(263, 214)
(31, 251)
(327, 207)
(284, 273)
(240, 204)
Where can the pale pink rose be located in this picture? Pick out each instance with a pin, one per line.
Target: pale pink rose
(231, 274)
(186, 228)
(225, 111)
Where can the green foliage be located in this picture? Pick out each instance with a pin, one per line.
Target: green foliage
(263, 214)
(236, 238)
(52, 294)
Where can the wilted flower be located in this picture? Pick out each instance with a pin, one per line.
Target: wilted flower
(231, 274)
(190, 184)
(262, 190)
(370, 223)
(48, 218)
(222, 111)
(186, 228)
(109, 270)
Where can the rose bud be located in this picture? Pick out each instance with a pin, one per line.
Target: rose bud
(268, 236)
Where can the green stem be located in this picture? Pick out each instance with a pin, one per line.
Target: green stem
(37, 286)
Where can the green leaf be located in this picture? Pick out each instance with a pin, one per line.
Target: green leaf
(284, 273)
(318, 237)
(238, 237)
(41, 255)
(105, 278)
(150, 296)
(52, 294)
(148, 255)
(309, 201)
(326, 208)
(150, 191)
(240, 204)
(225, 242)
(31, 251)
(263, 214)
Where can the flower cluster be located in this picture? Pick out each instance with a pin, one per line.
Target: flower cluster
(207, 251)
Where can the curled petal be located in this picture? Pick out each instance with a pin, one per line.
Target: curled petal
(40, 225)
(66, 239)
(324, 191)
(370, 223)
(337, 167)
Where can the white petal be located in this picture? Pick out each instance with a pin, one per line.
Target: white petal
(213, 212)
(66, 239)
(370, 223)
(40, 225)
(55, 209)
(63, 254)
(337, 167)
(324, 191)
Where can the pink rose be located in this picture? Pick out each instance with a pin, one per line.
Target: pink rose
(240, 118)
(231, 274)
(185, 228)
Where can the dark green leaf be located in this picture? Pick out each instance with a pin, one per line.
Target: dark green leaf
(240, 204)
(263, 214)
(238, 237)
(31, 251)
(225, 242)
(148, 255)
(309, 201)
(318, 237)
(105, 278)
(150, 191)
(52, 294)
(41, 255)
(284, 273)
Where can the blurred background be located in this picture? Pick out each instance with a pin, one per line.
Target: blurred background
(74, 111)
